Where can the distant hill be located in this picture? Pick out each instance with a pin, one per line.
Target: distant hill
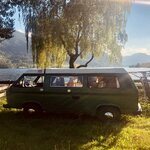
(13, 53)
(142, 65)
(103, 61)
(147, 65)
(134, 59)
(15, 50)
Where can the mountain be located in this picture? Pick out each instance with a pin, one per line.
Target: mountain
(132, 60)
(135, 59)
(102, 61)
(13, 53)
(142, 65)
(147, 65)
(15, 50)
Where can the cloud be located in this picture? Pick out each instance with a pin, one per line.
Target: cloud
(19, 30)
(131, 51)
(143, 2)
(24, 32)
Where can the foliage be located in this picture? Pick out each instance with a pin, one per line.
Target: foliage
(4, 61)
(75, 28)
(6, 21)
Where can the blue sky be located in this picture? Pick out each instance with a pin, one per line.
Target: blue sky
(138, 28)
(18, 22)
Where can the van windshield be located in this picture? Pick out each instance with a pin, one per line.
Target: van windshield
(30, 81)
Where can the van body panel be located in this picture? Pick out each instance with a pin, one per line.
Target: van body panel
(78, 100)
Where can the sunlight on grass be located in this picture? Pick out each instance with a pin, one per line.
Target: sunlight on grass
(2, 101)
(57, 133)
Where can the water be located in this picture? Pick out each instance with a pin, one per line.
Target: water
(14, 74)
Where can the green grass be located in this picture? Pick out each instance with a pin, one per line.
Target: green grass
(57, 133)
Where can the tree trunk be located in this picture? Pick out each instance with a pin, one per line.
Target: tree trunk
(71, 64)
(72, 60)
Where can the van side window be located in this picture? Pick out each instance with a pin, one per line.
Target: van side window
(103, 82)
(66, 81)
(30, 81)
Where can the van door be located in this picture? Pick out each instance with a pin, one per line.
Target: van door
(104, 89)
(63, 92)
(111, 90)
(27, 89)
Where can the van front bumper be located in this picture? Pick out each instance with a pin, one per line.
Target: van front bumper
(139, 109)
(7, 106)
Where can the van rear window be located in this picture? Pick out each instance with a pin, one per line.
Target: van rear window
(103, 82)
(66, 81)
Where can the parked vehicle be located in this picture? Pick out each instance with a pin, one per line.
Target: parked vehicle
(105, 93)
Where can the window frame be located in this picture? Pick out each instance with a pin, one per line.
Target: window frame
(105, 76)
(81, 77)
(32, 75)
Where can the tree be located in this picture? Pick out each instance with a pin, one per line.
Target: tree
(75, 28)
(6, 21)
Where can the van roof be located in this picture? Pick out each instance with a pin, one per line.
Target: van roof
(79, 71)
(12, 74)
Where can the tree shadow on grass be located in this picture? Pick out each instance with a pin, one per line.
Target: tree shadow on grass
(53, 131)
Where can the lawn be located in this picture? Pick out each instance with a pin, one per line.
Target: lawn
(72, 133)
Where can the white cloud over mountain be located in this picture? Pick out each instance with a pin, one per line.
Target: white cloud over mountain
(131, 51)
(144, 2)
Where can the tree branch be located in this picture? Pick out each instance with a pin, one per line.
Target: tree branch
(77, 41)
(86, 64)
(62, 40)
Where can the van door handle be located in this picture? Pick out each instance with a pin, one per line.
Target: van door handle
(41, 89)
(68, 90)
(75, 97)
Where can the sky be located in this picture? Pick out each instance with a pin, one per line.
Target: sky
(137, 28)
(18, 22)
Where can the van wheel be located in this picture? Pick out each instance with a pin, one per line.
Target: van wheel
(108, 113)
(32, 109)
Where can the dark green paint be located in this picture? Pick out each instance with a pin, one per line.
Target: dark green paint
(81, 100)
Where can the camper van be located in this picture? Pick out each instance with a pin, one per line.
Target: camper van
(104, 93)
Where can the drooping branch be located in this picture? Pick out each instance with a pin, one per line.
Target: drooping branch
(62, 40)
(86, 64)
(77, 41)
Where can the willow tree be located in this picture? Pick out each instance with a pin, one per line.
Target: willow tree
(75, 28)
(6, 21)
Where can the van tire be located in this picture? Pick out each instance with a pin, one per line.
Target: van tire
(108, 113)
(32, 109)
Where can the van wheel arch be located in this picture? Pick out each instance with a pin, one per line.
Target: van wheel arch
(32, 108)
(108, 112)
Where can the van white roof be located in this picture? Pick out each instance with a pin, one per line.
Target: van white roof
(79, 71)
(87, 70)
(14, 74)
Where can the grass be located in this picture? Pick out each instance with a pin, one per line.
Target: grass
(57, 133)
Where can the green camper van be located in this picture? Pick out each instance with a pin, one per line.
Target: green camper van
(101, 92)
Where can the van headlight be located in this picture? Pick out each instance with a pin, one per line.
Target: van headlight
(139, 107)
